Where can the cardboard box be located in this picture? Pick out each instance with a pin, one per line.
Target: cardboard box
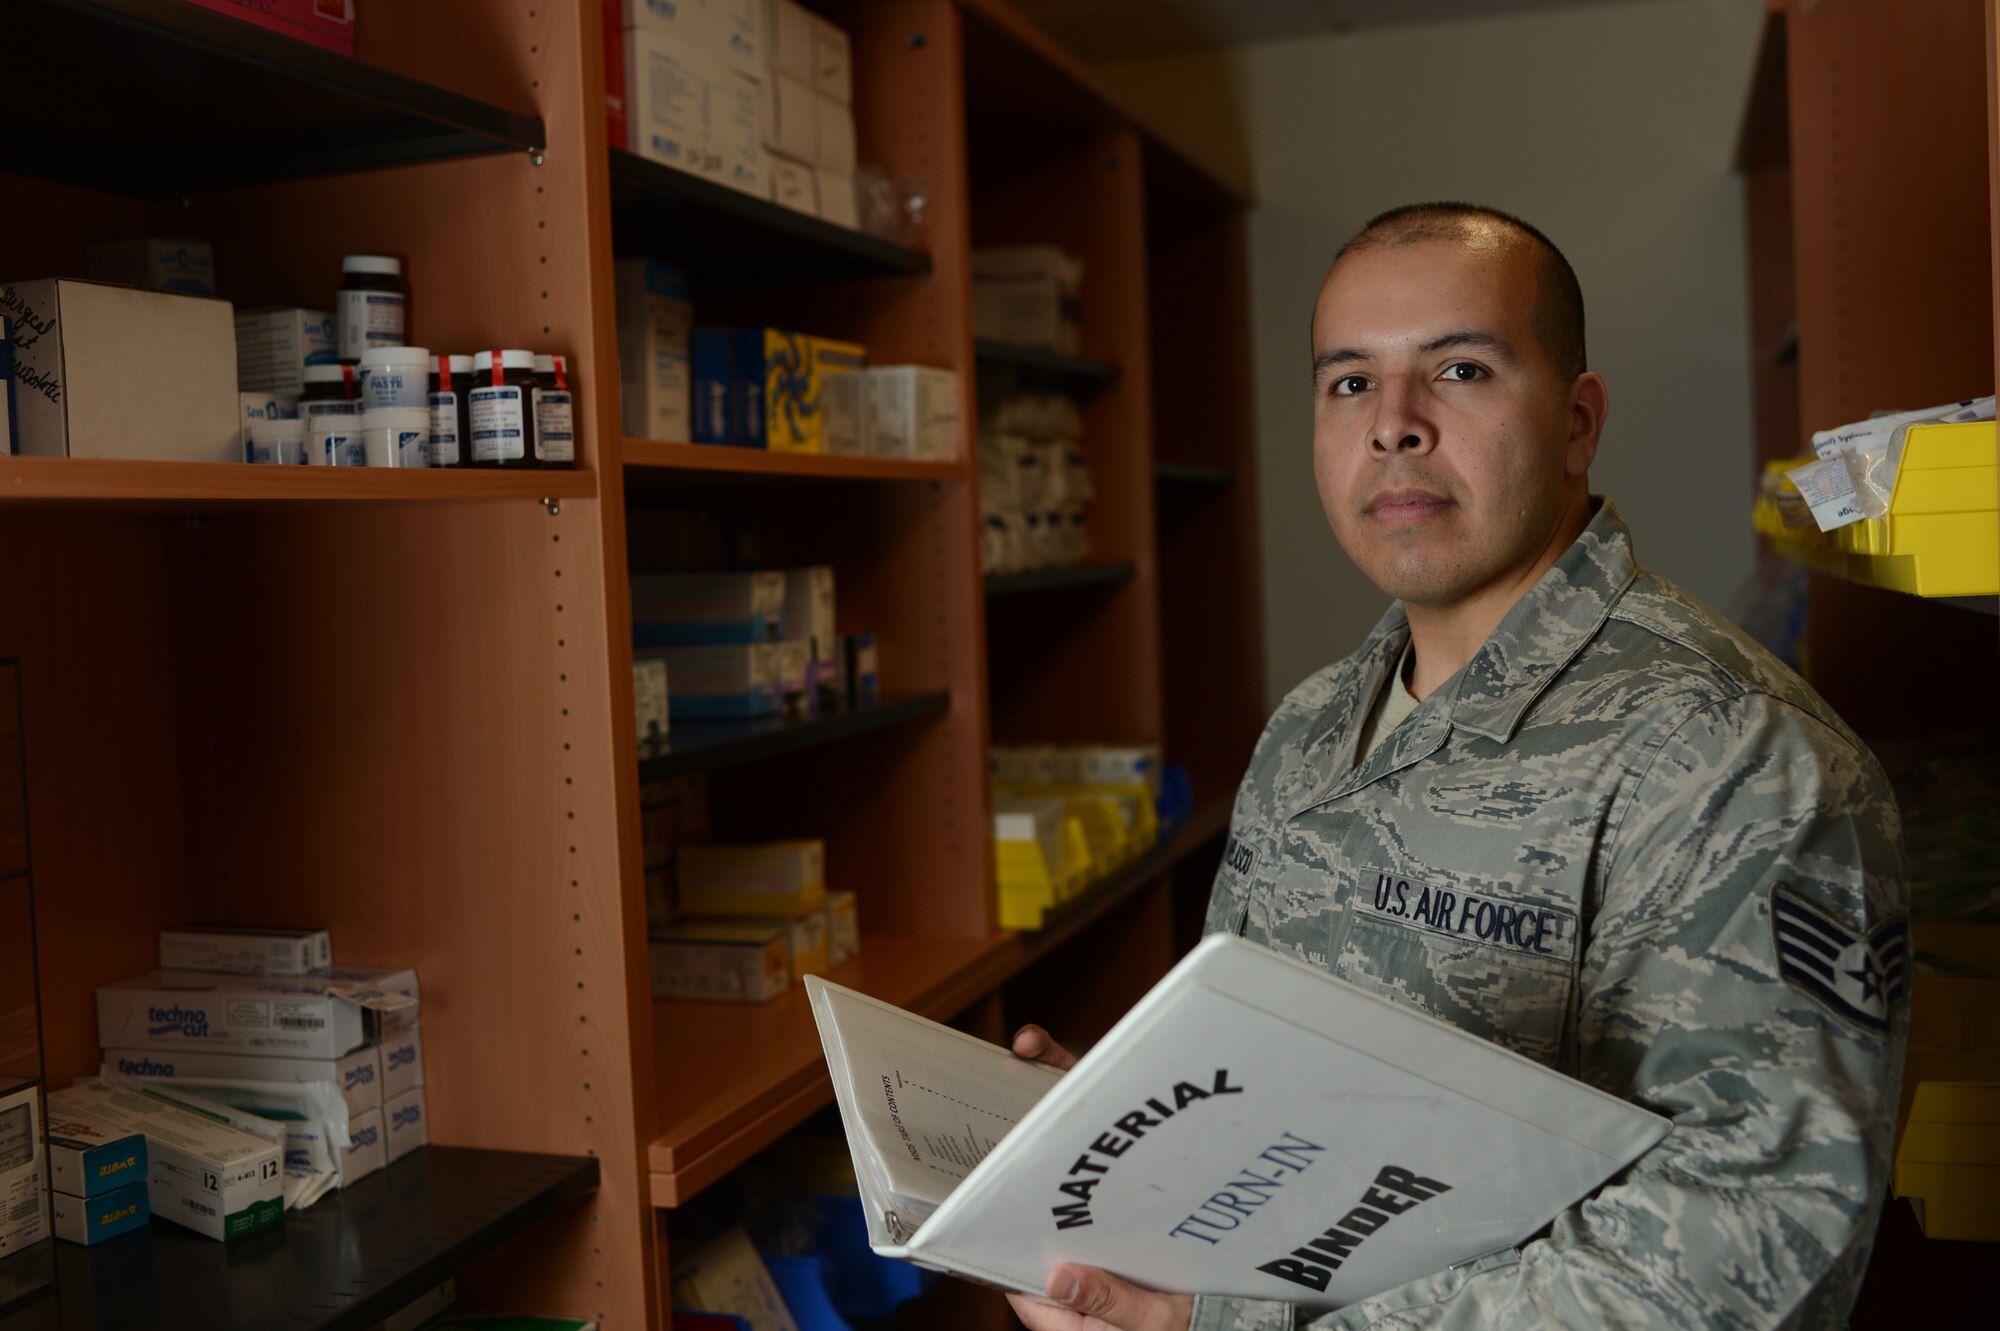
(367, 1147)
(721, 963)
(844, 414)
(88, 1159)
(843, 928)
(912, 412)
(8, 431)
(837, 203)
(792, 184)
(1028, 295)
(103, 371)
(655, 323)
(294, 1018)
(806, 940)
(779, 377)
(808, 611)
(328, 23)
(105, 1216)
(23, 1179)
(834, 147)
(777, 879)
(359, 1075)
(649, 700)
(791, 111)
(728, 682)
(274, 346)
(666, 101)
(203, 1173)
(231, 951)
(727, 32)
(734, 131)
(407, 1123)
(402, 1064)
(160, 263)
(788, 40)
(703, 609)
(833, 62)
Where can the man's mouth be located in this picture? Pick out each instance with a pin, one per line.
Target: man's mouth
(1400, 508)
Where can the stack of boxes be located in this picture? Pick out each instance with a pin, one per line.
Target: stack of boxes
(689, 75)
(1065, 816)
(1035, 487)
(740, 646)
(1028, 295)
(97, 1179)
(809, 114)
(251, 1018)
(750, 921)
(655, 328)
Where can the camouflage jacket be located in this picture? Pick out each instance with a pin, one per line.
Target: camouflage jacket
(1627, 842)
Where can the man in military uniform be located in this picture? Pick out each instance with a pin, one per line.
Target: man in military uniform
(1672, 871)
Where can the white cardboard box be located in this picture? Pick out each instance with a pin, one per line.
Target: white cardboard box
(735, 130)
(791, 115)
(655, 321)
(359, 1075)
(104, 371)
(788, 40)
(833, 123)
(23, 1175)
(274, 346)
(215, 1179)
(833, 62)
(666, 100)
(407, 1123)
(835, 193)
(729, 32)
(200, 947)
(367, 1147)
(912, 412)
(192, 1010)
(402, 1064)
(87, 1159)
(793, 185)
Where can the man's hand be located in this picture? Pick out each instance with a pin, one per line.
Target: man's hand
(1038, 1046)
(1082, 1298)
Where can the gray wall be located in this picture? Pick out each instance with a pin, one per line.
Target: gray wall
(1611, 128)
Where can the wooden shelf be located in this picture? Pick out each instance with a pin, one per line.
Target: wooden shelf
(651, 457)
(118, 481)
(732, 1079)
(1058, 579)
(1192, 474)
(729, 239)
(358, 1256)
(1037, 365)
(162, 104)
(706, 746)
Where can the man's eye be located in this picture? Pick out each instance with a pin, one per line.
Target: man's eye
(1463, 372)
(1350, 384)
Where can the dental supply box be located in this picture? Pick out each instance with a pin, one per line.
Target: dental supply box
(88, 1158)
(360, 1075)
(218, 948)
(735, 681)
(23, 1210)
(274, 346)
(688, 110)
(407, 1123)
(402, 1064)
(367, 1147)
(776, 879)
(202, 1173)
(110, 372)
(192, 1010)
(728, 32)
(719, 961)
(912, 412)
(105, 1216)
(157, 264)
(705, 609)
(655, 323)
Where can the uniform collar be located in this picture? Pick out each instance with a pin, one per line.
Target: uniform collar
(1546, 628)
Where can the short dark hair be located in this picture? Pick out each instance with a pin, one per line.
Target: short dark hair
(1558, 314)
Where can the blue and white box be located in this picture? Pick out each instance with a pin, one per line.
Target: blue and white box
(737, 681)
(407, 1122)
(360, 1075)
(402, 1063)
(706, 609)
(298, 1017)
(367, 1147)
(105, 1216)
(88, 1158)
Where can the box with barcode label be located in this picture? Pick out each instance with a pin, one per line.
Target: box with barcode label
(23, 1178)
(359, 1075)
(192, 1010)
(203, 1173)
(226, 951)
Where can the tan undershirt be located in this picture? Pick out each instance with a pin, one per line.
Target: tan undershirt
(1392, 705)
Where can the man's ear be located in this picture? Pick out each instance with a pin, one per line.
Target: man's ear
(1589, 404)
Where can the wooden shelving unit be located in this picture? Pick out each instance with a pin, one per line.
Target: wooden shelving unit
(1060, 579)
(1034, 365)
(399, 705)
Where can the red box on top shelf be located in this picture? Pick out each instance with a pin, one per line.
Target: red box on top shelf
(328, 23)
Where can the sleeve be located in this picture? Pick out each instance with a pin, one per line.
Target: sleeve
(1744, 978)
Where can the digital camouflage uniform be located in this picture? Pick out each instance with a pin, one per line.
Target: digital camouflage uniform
(1625, 842)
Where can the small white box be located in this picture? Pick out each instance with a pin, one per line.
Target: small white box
(228, 951)
(655, 321)
(649, 699)
(734, 150)
(837, 203)
(736, 29)
(788, 40)
(190, 1010)
(160, 263)
(833, 62)
(367, 1147)
(274, 346)
(844, 399)
(912, 412)
(809, 608)
(213, 1178)
(24, 1210)
(87, 1158)
(666, 100)
(791, 117)
(834, 137)
(109, 372)
(792, 184)
(407, 1123)
(359, 1075)
(402, 1064)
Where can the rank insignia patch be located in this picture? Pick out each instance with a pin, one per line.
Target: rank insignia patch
(1858, 977)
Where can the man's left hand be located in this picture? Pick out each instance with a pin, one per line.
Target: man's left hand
(1082, 1298)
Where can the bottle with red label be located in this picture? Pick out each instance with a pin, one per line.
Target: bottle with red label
(500, 410)
(555, 413)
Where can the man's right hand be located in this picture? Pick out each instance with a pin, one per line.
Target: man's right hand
(1038, 1046)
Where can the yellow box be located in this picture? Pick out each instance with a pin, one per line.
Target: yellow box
(795, 368)
(1948, 1164)
(775, 880)
(1941, 535)
(806, 938)
(721, 961)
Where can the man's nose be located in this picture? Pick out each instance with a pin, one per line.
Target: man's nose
(1401, 425)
